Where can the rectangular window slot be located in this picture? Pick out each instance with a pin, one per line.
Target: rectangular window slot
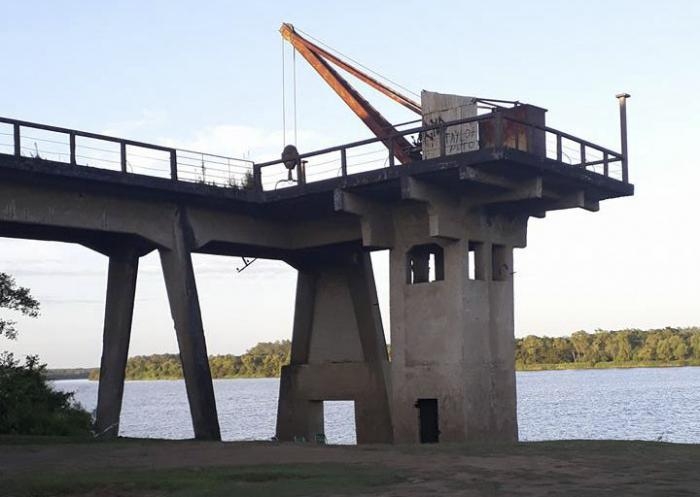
(425, 264)
(476, 261)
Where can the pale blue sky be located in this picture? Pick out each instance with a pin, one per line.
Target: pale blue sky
(208, 75)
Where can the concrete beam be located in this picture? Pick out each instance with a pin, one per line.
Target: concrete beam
(525, 190)
(36, 205)
(468, 173)
(375, 218)
(184, 308)
(119, 308)
(443, 208)
(572, 200)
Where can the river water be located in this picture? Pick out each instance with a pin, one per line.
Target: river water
(633, 404)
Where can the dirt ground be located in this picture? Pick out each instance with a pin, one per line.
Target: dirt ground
(571, 468)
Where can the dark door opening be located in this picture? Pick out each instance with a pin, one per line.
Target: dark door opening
(428, 421)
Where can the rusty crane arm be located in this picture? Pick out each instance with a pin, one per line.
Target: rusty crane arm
(383, 129)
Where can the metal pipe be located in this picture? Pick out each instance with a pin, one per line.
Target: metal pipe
(622, 98)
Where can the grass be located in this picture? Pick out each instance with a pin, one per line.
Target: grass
(62, 467)
(269, 480)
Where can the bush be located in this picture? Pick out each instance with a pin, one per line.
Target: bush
(29, 406)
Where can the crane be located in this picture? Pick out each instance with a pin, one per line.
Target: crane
(320, 59)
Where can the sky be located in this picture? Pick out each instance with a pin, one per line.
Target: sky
(208, 75)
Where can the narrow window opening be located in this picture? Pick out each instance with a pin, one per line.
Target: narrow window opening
(476, 261)
(425, 264)
(500, 268)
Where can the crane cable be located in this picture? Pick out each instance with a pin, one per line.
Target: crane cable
(342, 55)
(294, 96)
(294, 86)
(284, 103)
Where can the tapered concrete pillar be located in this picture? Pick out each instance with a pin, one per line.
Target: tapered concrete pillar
(338, 350)
(119, 308)
(184, 308)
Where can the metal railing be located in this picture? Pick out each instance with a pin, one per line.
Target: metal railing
(493, 131)
(30, 140)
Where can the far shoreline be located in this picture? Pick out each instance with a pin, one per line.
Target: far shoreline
(85, 373)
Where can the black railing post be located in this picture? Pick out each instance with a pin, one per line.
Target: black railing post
(391, 152)
(559, 151)
(122, 153)
(73, 160)
(606, 165)
(257, 178)
(343, 162)
(499, 130)
(173, 165)
(583, 155)
(17, 139)
(442, 139)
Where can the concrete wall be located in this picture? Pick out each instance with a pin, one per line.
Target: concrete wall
(452, 340)
(439, 108)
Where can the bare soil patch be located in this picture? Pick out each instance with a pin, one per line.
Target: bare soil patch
(164, 468)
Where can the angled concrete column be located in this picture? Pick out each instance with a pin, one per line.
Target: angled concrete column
(372, 411)
(184, 308)
(119, 308)
(338, 350)
(299, 418)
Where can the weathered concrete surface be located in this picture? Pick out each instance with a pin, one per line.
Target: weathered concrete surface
(119, 309)
(338, 350)
(441, 108)
(452, 340)
(184, 307)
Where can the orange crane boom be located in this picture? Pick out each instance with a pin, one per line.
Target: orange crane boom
(383, 129)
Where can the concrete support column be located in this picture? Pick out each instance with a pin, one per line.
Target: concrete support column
(184, 308)
(372, 412)
(298, 417)
(338, 350)
(119, 308)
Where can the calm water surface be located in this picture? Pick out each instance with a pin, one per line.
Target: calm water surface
(640, 404)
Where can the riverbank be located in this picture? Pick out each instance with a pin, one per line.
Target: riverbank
(84, 374)
(608, 365)
(131, 467)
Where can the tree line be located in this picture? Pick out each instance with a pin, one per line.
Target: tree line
(264, 360)
(667, 346)
(629, 347)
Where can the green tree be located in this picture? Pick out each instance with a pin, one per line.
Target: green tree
(15, 298)
(580, 342)
(28, 404)
(694, 342)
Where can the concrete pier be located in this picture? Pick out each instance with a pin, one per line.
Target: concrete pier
(119, 309)
(184, 308)
(452, 332)
(338, 349)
